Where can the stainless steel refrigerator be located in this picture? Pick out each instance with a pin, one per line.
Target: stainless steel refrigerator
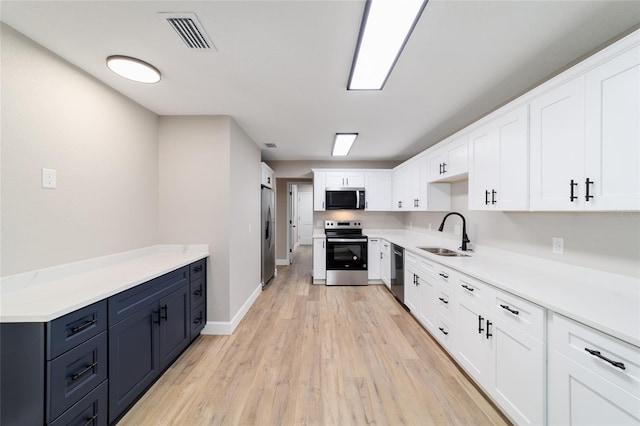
(268, 236)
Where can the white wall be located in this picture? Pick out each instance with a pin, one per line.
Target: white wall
(103, 147)
(244, 224)
(609, 241)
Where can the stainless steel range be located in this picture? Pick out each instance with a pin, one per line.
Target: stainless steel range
(346, 253)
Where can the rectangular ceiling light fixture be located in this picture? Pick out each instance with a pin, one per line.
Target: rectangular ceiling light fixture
(386, 27)
(342, 144)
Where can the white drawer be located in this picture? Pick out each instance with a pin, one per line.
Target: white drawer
(518, 312)
(610, 358)
(446, 302)
(443, 331)
(445, 275)
(474, 291)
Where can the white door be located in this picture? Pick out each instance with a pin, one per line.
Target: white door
(305, 217)
(613, 133)
(557, 148)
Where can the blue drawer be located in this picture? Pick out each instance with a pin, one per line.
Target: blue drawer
(75, 328)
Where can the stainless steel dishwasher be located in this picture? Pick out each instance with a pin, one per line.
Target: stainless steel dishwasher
(397, 272)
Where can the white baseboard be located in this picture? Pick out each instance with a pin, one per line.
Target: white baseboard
(227, 328)
(282, 262)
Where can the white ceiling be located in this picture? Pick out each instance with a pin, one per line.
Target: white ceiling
(281, 67)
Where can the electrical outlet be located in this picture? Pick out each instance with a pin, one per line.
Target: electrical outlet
(48, 178)
(557, 245)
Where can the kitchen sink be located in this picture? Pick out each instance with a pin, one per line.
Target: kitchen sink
(441, 251)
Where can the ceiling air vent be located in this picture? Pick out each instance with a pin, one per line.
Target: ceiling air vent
(270, 145)
(190, 30)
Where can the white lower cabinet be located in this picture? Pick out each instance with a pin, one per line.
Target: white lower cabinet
(373, 259)
(499, 343)
(319, 260)
(385, 262)
(593, 378)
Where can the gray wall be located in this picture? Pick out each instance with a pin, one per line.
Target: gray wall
(103, 147)
(609, 241)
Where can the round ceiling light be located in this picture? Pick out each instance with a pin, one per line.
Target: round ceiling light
(133, 69)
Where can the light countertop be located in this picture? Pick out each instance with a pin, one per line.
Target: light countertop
(47, 294)
(602, 300)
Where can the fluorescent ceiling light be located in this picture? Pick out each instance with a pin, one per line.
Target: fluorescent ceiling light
(342, 143)
(133, 69)
(385, 29)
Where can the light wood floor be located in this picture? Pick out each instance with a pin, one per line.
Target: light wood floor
(318, 355)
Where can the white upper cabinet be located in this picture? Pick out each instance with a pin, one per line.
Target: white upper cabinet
(345, 179)
(612, 133)
(499, 163)
(585, 140)
(449, 163)
(267, 176)
(319, 185)
(413, 192)
(377, 186)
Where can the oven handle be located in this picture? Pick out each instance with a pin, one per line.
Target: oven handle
(347, 240)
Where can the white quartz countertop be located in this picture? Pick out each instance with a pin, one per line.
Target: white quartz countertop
(605, 301)
(46, 294)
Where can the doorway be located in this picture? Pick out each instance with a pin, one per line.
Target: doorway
(300, 217)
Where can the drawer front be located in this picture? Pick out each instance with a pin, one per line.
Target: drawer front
(75, 328)
(604, 355)
(445, 276)
(198, 291)
(474, 291)
(89, 411)
(198, 269)
(75, 373)
(446, 302)
(129, 302)
(518, 312)
(443, 331)
(198, 320)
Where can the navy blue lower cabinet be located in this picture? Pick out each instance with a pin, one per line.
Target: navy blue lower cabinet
(175, 330)
(89, 411)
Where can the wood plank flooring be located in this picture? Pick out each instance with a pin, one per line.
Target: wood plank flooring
(315, 355)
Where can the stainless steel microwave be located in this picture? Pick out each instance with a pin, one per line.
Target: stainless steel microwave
(344, 199)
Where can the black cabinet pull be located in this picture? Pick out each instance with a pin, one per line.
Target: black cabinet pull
(83, 372)
(440, 168)
(571, 185)
(443, 275)
(79, 328)
(595, 353)
(444, 168)
(197, 320)
(443, 331)
(489, 332)
(493, 196)
(514, 312)
(486, 198)
(165, 308)
(466, 287)
(480, 329)
(588, 182)
(91, 421)
(157, 321)
(197, 269)
(198, 292)
(417, 280)
(443, 300)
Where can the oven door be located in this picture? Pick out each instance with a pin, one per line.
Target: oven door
(347, 254)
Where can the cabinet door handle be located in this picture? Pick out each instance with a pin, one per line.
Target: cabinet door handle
(157, 321)
(380, 255)
(366, 204)
(197, 269)
(443, 331)
(83, 372)
(323, 204)
(486, 198)
(443, 300)
(440, 168)
(480, 329)
(588, 182)
(597, 354)
(444, 168)
(466, 287)
(81, 327)
(493, 196)
(506, 307)
(417, 202)
(92, 420)
(417, 280)
(198, 292)
(197, 320)
(165, 308)
(443, 275)
(488, 329)
(571, 185)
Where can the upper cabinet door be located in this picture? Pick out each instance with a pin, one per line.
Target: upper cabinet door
(345, 179)
(377, 187)
(612, 137)
(319, 186)
(449, 163)
(557, 148)
(483, 168)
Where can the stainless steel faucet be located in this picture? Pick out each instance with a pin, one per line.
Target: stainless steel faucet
(465, 238)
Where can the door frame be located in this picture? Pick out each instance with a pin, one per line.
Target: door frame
(289, 218)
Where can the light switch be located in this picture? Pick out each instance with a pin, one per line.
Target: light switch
(48, 178)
